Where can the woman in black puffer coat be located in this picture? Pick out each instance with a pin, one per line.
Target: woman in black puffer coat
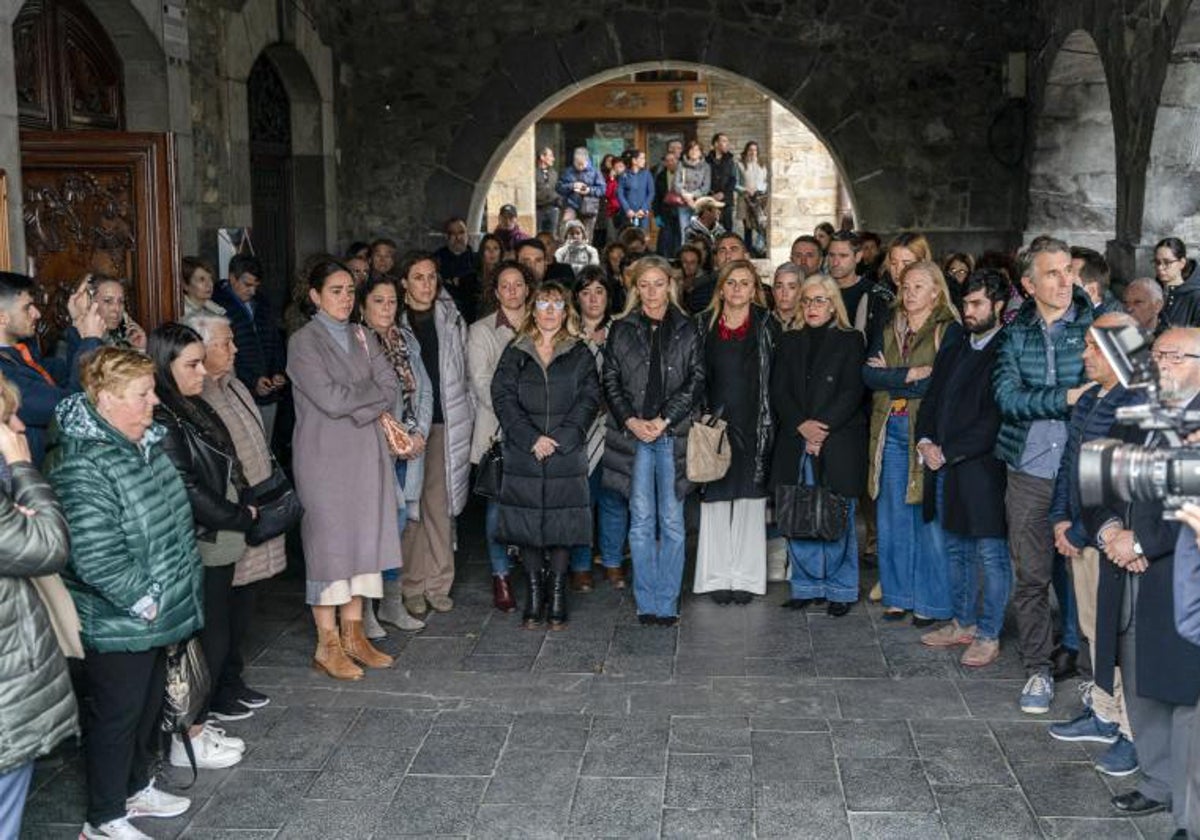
(546, 393)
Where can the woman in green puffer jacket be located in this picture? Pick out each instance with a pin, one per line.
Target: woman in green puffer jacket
(37, 708)
(134, 573)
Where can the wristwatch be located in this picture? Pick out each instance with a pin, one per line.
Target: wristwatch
(1137, 548)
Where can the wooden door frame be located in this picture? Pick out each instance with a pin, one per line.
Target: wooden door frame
(152, 155)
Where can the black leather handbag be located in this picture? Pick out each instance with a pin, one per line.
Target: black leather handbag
(279, 508)
(490, 472)
(807, 511)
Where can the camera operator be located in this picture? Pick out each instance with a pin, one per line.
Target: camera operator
(1187, 622)
(1136, 611)
(1103, 720)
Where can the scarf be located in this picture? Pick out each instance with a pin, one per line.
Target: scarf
(395, 348)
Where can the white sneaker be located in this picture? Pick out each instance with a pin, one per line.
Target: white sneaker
(118, 829)
(210, 755)
(218, 735)
(152, 802)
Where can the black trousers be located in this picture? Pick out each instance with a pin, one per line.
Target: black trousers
(243, 601)
(215, 637)
(125, 694)
(535, 558)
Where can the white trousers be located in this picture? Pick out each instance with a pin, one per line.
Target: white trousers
(732, 553)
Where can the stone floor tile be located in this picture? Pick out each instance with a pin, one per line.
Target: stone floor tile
(617, 808)
(533, 777)
(255, 799)
(885, 784)
(1025, 742)
(395, 727)
(896, 699)
(773, 697)
(817, 811)
(361, 771)
(460, 750)
(985, 813)
(786, 762)
(872, 739)
(320, 820)
(1060, 789)
(895, 826)
(958, 759)
(427, 805)
(782, 723)
(850, 661)
(1082, 828)
(720, 781)
(496, 663)
(710, 665)
(529, 822)
(686, 823)
(727, 735)
(211, 834)
(536, 731)
(434, 652)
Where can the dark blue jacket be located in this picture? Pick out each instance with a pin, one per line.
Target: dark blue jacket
(589, 176)
(635, 191)
(259, 347)
(1092, 418)
(1187, 586)
(39, 397)
(1019, 377)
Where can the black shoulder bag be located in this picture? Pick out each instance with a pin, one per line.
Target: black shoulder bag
(806, 510)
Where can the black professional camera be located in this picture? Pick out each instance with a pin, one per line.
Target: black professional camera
(1111, 472)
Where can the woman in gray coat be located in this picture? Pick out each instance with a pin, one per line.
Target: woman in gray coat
(343, 385)
(37, 708)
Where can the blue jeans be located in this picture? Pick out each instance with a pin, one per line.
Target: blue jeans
(401, 512)
(1064, 589)
(967, 555)
(611, 526)
(913, 570)
(497, 551)
(826, 569)
(14, 786)
(657, 563)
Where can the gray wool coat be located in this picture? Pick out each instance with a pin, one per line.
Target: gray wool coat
(344, 472)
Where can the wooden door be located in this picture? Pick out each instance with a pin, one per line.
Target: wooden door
(102, 203)
(273, 233)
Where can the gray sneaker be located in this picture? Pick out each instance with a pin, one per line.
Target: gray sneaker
(1038, 693)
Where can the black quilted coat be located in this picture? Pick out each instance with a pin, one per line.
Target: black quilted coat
(545, 503)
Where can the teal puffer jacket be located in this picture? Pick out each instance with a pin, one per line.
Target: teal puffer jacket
(131, 533)
(37, 706)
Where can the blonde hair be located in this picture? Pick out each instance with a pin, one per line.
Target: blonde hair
(716, 306)
(915, 242)
(638, 269)
(10, 399)
(112, 369)
(831, 289)
(570, 325)
(930, 269)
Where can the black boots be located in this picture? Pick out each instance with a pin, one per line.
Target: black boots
(557, 607)
(535, 598)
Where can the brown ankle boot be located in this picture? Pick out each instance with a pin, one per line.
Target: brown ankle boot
(331, 659)
(359, 648)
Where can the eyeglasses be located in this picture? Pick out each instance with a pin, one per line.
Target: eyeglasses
(1173, 357)
(814, 301)
(958, 272)
(1165, 263)
(545, 305)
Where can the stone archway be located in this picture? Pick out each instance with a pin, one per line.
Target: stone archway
(1172, 198)
(542, 74)
(1073, 171)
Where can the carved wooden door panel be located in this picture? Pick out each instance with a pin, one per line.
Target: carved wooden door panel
(101, 203)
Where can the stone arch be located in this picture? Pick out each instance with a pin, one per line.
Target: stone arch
(1073, 167)
(147, 93)
(305, 66)
(539, 74)
(1172, 197)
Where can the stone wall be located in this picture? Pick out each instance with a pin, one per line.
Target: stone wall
(804, 182)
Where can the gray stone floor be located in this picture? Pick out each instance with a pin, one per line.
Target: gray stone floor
(742, 722)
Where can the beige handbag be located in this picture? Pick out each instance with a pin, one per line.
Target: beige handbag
(63, 617)
(708, 452)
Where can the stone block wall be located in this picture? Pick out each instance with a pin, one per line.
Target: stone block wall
(804, 182)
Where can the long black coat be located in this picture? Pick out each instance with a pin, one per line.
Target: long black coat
(959, 414)
(545, 503)
(829, 389)
(1168, 666)
(626, 376)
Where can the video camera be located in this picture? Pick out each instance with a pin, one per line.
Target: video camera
(1112, 472)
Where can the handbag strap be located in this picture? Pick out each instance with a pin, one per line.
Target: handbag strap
(813, 461)
(262, 428)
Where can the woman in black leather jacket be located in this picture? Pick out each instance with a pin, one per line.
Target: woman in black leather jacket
(653, 376)
(201, 449)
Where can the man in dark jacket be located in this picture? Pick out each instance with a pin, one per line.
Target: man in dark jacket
(545, 193)
(1136, 613)
(1103, 719)
(724, 177)
(1092, 272)
(43, 382)
(956, 436)
(260, 360)
(1036, 379)
(666, 215)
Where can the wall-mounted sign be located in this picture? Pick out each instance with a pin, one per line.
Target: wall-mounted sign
(700, 104)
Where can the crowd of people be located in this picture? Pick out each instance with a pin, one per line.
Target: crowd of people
(942, 405)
